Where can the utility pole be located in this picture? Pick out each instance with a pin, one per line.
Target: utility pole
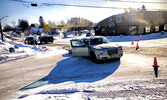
(1, 27)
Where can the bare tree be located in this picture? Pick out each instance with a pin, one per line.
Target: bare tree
(50, 22)
(62, 22)
(23, 24)
(7, 28)
(41, 21)
(13, 23)
(54, 23)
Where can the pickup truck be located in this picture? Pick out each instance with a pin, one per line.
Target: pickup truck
(98, 48)
(46, 39)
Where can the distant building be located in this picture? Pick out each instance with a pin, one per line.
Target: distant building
(133, 23)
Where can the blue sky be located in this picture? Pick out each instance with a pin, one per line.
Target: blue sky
(16, 10)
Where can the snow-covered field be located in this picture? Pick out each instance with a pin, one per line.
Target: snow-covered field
(77, 78)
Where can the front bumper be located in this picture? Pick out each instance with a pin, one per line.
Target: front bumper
(107, 57)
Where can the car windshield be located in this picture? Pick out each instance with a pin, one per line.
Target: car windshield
(97, 41)
(105, 40)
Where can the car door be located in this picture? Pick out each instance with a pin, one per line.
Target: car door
(79, 49)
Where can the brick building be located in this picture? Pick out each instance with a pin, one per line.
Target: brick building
(133, 23)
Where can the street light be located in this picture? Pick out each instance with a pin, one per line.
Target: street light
(1, 27)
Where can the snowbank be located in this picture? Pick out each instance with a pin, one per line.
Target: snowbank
(142, 89)
(137, 37)
(20, 51)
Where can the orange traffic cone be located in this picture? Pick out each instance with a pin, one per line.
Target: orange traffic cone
(155, 62)
(137, 46)
(155, 65)
(140, 38)
(137, 40)
(132, 42)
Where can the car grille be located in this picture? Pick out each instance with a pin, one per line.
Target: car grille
(113, 51)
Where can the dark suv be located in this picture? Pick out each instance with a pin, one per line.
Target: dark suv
(30, 40)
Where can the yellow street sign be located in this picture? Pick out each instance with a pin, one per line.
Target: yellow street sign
(46, 28)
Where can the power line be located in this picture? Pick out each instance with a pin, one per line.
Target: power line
(85, 6)
(59, 4)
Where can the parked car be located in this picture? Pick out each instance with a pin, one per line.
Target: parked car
(88, 34)
(98, 48)
(30, 40)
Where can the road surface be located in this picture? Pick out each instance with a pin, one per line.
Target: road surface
(134, 65)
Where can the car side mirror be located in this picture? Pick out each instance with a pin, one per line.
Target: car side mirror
(83, 44)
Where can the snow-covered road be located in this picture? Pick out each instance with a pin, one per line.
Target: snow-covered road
(132, 77)
(54, 74)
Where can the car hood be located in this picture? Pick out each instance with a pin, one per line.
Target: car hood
(105, 46)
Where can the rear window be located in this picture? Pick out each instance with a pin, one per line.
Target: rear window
(30, 38)
(97, 41)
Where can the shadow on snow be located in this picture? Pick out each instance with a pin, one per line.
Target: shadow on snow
(76, 69)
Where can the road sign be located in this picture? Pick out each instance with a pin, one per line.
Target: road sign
(46, 28)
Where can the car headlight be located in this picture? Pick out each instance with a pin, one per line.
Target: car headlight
(102, 52)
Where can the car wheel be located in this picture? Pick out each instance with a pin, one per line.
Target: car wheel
(35, 42)
(40, 42)
(94, 58)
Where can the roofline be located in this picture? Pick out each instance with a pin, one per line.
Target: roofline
(95, 25)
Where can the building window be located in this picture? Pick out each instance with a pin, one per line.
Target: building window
(103, 29)
(147, 29)
(131, 18)
(118, 19)
(157, 15)
(132, 30)
(112, 24)
(110, 19)
(113, 31)
(141, 29)
(165, 27)
(156, 28)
